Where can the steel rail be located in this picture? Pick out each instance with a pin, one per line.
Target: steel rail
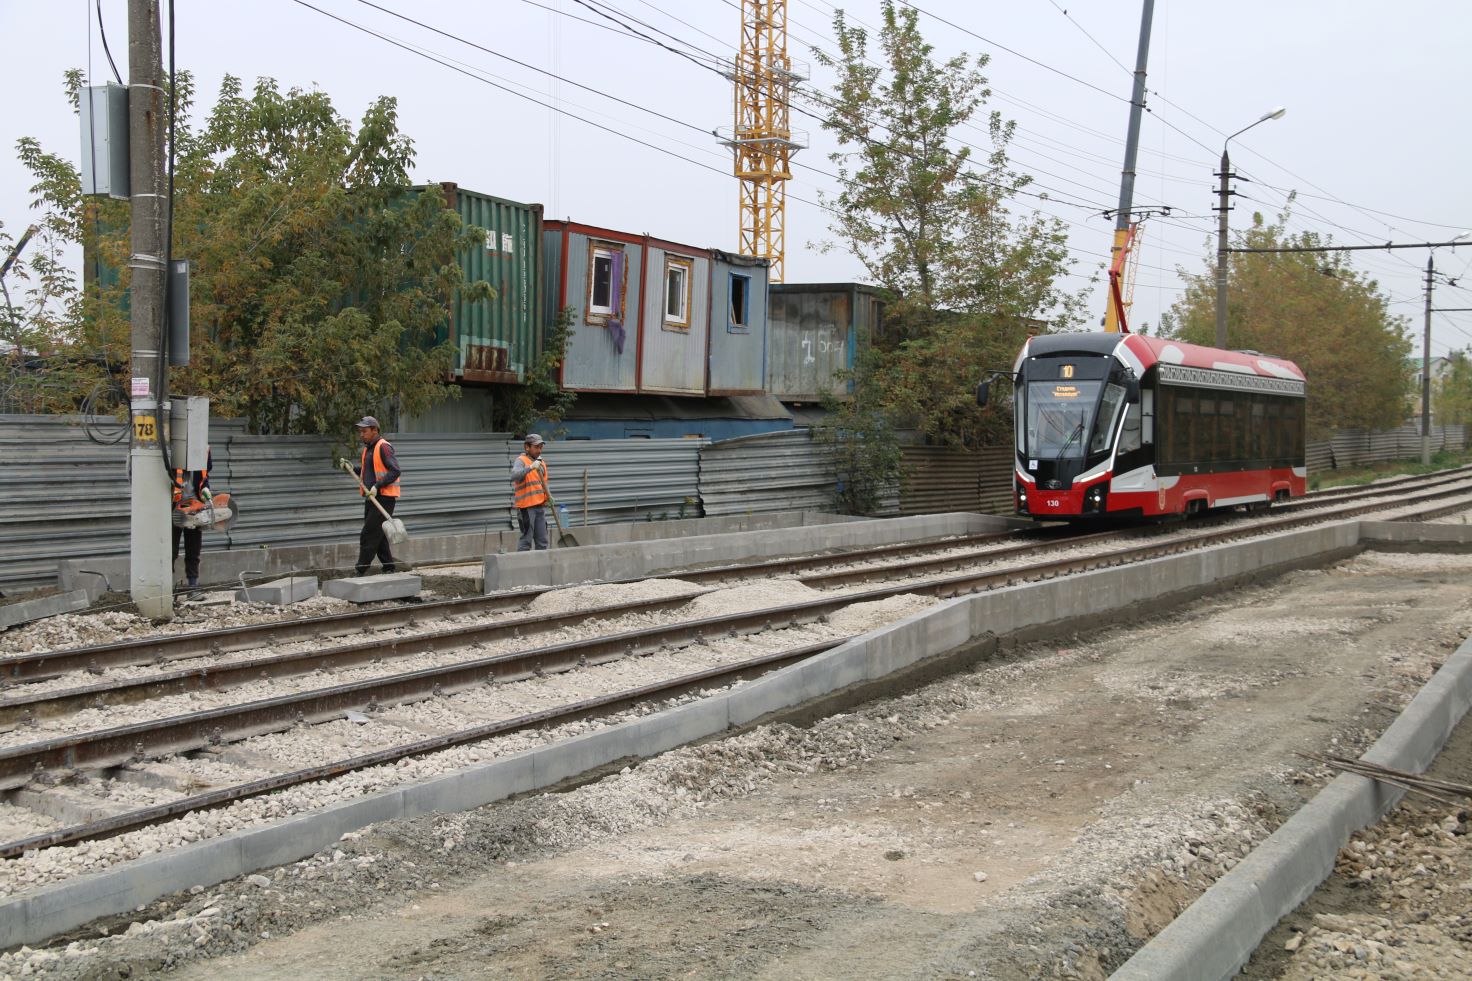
(601, 705)
(1047, 569)
(96, 659)
(33, 706)
(162, 649)
(135, 741)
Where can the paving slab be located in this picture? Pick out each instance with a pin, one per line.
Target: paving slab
(373, 589)
(280, 592)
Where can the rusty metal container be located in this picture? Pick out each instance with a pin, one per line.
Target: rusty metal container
(496, 340)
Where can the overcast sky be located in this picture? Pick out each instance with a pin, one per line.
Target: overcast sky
(1375, 140)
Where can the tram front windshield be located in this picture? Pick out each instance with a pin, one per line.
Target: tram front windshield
(1060, 419)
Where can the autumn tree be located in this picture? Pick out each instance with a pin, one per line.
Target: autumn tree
(936, 225)
(1315, 309)
(1451, 395)
(319, 278)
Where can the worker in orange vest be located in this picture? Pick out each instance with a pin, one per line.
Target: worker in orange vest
(378, 469)
(191, 493)
(529, 485)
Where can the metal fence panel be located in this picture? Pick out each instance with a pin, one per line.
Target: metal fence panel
(769, 472)
(783, 471)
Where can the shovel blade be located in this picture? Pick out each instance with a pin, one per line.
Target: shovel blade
(395, 532)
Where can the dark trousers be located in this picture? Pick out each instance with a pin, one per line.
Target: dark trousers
(193, 545)
(533, 522)
(372, 541)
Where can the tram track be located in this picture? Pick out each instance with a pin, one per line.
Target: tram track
(103, 749)
(30, 707)
(163, 649)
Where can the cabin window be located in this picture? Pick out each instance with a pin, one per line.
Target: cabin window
(740, 312)
(677, 284)
(606, 280)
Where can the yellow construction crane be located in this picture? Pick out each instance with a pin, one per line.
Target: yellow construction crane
(762, 142)
(1124, 262)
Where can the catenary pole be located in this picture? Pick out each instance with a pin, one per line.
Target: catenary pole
(1426, 366)
(1224, 195)
(150, 566)
(1113, 316)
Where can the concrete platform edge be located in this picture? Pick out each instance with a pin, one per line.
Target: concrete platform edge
(1217, 933)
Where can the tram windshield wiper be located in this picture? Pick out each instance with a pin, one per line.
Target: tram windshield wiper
(1077, 432)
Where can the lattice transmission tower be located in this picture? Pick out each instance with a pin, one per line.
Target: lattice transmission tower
(763, 142)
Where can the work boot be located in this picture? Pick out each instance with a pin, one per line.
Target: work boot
(360, 571)
(388, 570)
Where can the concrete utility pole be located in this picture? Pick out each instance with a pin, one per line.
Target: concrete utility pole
(1224, 194)
(151, 569)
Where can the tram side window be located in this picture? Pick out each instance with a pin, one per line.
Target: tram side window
(1296, 448)
(1183, 425)
(1257, 430)
(1206, 444)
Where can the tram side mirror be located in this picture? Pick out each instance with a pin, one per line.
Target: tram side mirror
(1132, 390)
(982, 391)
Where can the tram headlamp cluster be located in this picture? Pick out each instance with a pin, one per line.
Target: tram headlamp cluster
(1021, 497)
(1094, 499)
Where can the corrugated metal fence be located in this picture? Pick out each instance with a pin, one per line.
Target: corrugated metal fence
(62, 495)
(782, 471)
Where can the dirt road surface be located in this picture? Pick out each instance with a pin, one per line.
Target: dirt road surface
(1036, 816)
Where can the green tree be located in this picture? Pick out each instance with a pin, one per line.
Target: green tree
(1451, 394)
(966, 273)
(861, 440)
(319, 277)
(1314, 309)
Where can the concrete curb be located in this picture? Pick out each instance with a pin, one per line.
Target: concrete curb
(1034, 608)
(626, 560)
(1217, 933)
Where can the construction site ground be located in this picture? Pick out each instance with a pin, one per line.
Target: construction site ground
(1037, 815)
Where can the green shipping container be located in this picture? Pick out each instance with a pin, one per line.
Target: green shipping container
(497, 340)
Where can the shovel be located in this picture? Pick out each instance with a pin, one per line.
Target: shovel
(565, 538)
(393, 528)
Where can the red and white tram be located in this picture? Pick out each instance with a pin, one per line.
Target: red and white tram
(1125, 424)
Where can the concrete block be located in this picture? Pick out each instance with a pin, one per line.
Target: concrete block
(25, 611)
(373, 589)
(280, 592)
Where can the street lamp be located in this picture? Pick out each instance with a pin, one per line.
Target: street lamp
(1223, 194)
(1426, 357)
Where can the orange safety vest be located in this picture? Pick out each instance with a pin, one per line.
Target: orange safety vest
(181, 480)
(392, 490)
(531, 489)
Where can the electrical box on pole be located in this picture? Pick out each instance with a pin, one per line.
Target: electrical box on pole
(189, 432)
(104, 110)
(178, 290)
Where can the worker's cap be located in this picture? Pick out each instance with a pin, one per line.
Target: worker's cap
(367, 422)
(532, 439)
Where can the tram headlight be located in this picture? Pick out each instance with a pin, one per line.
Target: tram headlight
(1094, 499)
(1021, 497)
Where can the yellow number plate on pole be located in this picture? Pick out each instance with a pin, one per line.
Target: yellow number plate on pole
(145, 430)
